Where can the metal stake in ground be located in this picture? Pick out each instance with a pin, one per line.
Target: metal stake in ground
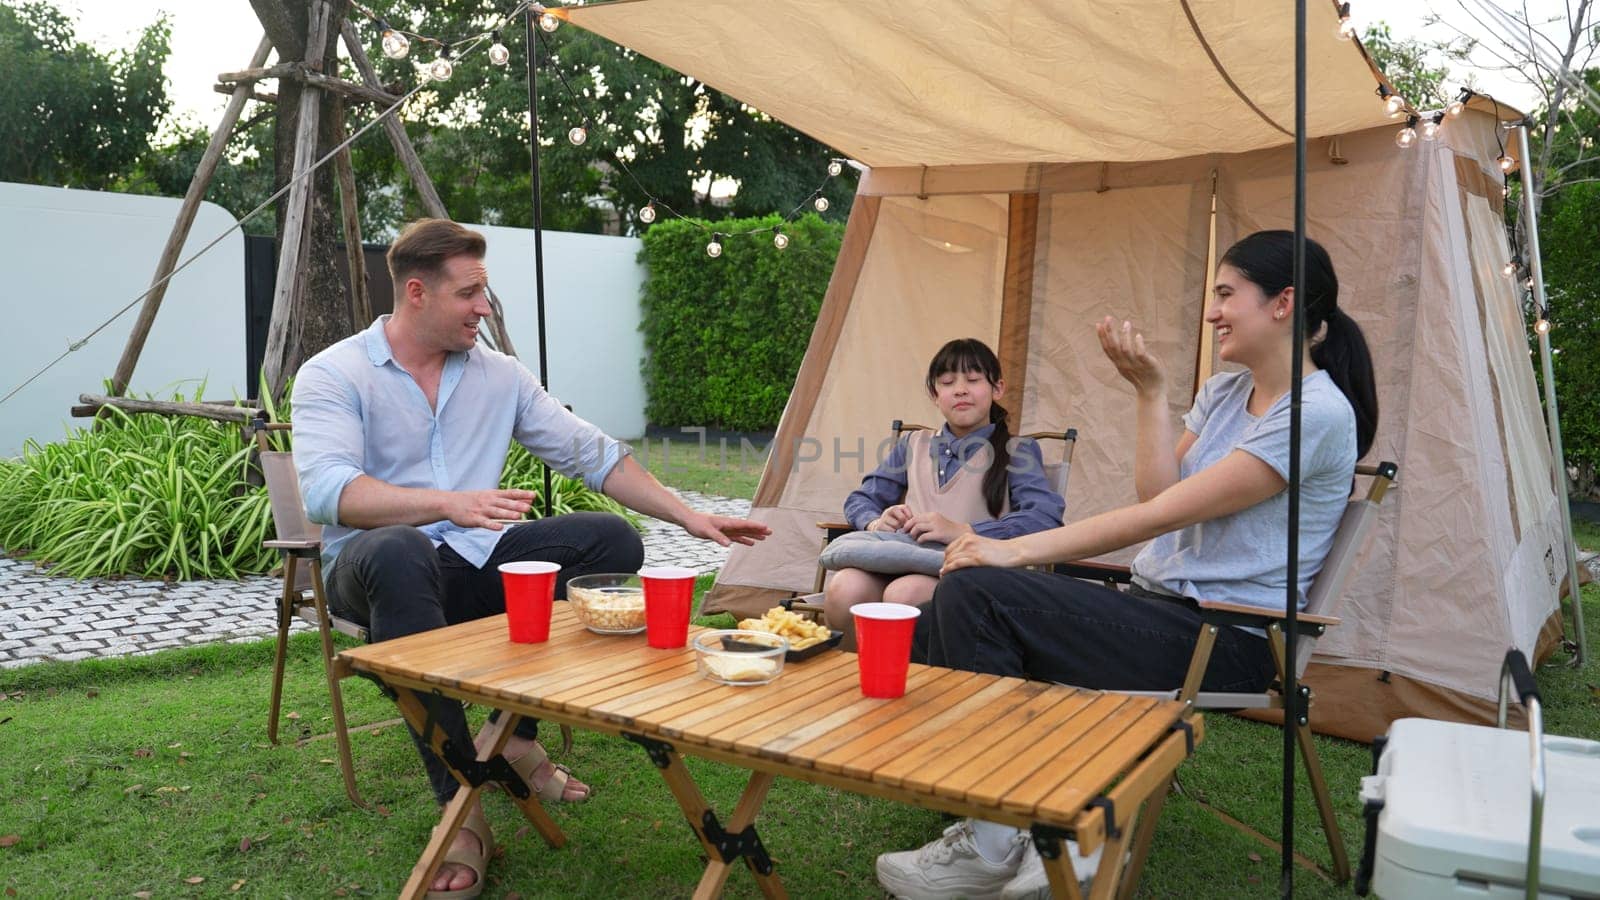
(538, 215)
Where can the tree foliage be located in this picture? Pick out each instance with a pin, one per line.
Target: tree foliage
(1417, 68)
(74, 116)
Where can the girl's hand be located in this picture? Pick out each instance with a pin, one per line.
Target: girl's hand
(1125, 348)
(970, 550)
(932, 526)
(892, 519)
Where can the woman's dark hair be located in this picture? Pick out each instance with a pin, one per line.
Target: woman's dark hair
(972, 355)
(1267, 259)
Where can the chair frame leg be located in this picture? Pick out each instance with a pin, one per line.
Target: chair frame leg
(341, 731)
(1312, 762)
(285, 613)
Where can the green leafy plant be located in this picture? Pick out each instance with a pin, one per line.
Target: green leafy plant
(724, 337)
(525, 471)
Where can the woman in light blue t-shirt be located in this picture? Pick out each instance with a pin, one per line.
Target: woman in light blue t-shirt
(1216, 507)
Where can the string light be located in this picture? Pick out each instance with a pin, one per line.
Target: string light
(834, 168)
(714, 249)
(1407, 135)
(648, 214)
(821, 203)
(1459, 104)
(1506, 162)
(395, 44)
(779, 239)
(1511, 266)
(548, 23)
(1542, 326)
(1430, 126)
(577, 134)
(1393, 104)
(442, 68)
(1347, 28)
(498, 53)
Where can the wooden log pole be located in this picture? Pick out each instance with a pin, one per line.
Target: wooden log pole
(94, 403)
(258, 73)
(180, 229)
(350, 216)
(291, 277)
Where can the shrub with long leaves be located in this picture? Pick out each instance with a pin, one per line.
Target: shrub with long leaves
(526, 471)
(138, 495)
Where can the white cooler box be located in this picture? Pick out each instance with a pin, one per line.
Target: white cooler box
(1449, 809)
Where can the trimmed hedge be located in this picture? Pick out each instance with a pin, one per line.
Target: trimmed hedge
(724, 337)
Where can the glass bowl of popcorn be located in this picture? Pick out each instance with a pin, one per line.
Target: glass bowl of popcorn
(609, 603)
(733, 656)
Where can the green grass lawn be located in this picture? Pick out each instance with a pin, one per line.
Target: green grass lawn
(718, 468)
(142, 775)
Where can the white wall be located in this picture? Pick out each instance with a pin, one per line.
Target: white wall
(71, 259)
(75, 257)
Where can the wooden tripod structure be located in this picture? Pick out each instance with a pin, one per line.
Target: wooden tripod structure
(294, 237)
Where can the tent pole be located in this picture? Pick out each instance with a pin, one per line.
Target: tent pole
(538, 215)
(1293, 711)
(1551, 410)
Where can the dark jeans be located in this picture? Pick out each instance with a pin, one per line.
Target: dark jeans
(1055, 628)
(393, 581)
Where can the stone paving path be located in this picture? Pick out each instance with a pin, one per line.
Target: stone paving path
(43, 618)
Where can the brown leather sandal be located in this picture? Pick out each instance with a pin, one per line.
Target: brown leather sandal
(477, 861)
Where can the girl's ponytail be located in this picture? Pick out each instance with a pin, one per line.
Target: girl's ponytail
(1343, 354)
(995, 480)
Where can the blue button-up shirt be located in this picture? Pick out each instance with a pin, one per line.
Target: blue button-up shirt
(357, 412)
(1035, 506)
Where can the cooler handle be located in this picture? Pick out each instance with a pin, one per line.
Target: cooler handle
(1515, 671)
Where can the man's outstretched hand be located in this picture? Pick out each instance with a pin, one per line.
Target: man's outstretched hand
(725, 530)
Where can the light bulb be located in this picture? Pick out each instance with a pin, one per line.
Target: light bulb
(1542, 326)
(1406, 137)
(498, 54)
(1455, 109)
(1347, 29)
(577, 135)
(834, 168)
(548, 23)
(821, 203)
(395, 45)
(648, 214)
(1505, 190)
(714, 249)
(441, 69)
(780, 240)
(1506, 163)
(1430, 130)
(1394, 105)
(1510, 268)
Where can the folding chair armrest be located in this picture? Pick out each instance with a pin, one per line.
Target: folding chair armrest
(833, 530)
(1095, 571)
(808, 605)
(295, 548)
(1221, 612)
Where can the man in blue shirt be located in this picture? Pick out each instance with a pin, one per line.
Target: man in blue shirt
(401, 434)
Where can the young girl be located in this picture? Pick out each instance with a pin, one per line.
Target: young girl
(934, 488)
(1216, 507)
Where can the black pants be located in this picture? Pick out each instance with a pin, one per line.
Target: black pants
(1055, 628)
(393, 581)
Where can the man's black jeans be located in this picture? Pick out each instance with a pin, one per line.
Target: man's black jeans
(393, 581)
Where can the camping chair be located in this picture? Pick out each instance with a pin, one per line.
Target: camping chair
(1054, 473)
(1322, 606)
(301, 541)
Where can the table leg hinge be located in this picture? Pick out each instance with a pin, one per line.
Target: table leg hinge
(1047, 840)
(479, 773)
(733, 845)
(1110, 807)
(1187, 727)
(660, 751)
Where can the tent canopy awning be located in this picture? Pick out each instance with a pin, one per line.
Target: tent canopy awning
(936, 83)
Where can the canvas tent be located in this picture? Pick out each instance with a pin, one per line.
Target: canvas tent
(1033, 167)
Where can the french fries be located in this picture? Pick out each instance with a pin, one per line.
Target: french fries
(800, 631)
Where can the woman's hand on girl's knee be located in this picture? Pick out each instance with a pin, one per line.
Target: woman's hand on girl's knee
(970, 550)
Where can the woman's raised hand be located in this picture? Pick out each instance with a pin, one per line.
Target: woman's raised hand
(1125, 348)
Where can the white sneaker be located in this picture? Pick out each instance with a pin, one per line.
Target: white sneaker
(1031, 882)
(949, 868)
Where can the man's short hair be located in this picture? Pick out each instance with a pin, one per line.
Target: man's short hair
(423, 247)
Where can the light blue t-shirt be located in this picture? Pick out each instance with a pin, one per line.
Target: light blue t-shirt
(1240, 558)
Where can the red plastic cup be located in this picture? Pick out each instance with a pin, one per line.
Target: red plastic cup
(668, 596)
(530, 591)
(883, 646)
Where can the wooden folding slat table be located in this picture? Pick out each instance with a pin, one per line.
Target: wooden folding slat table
(1060, 761)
